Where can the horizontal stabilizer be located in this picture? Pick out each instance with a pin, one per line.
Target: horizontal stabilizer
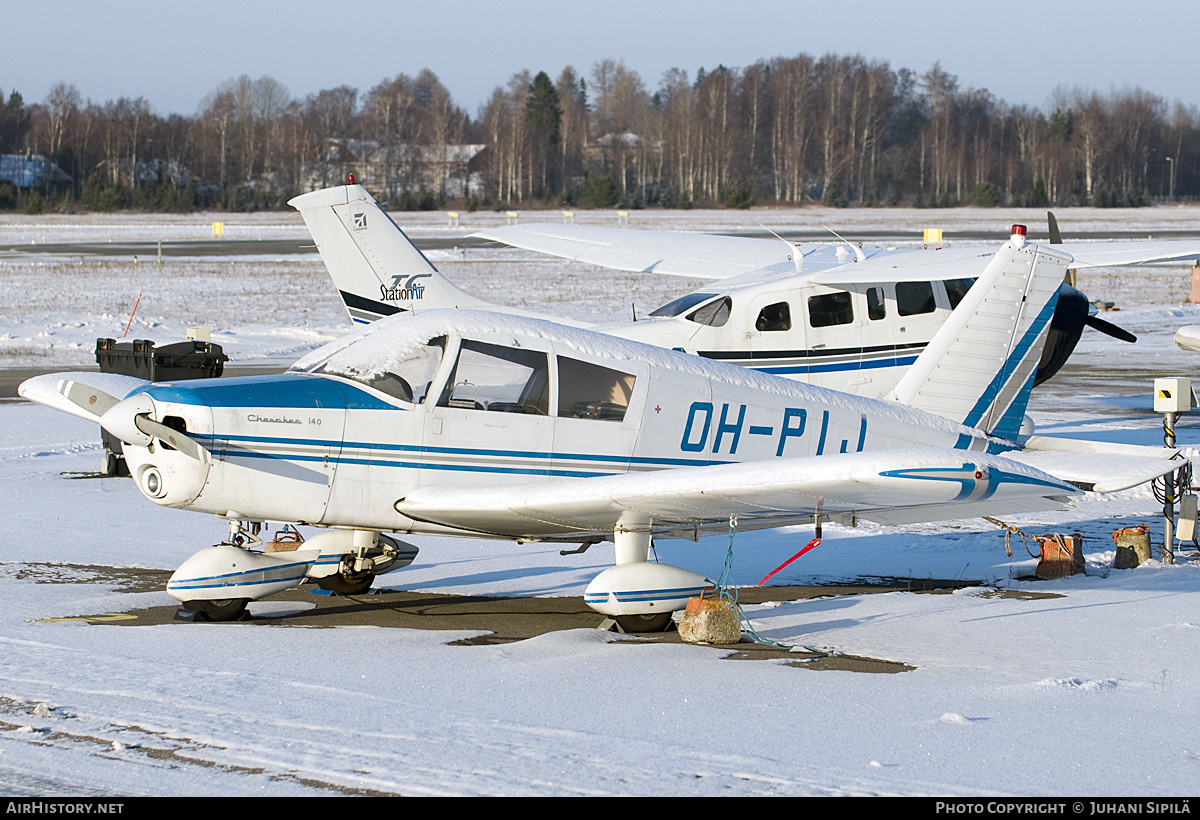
(1097, 466)
(1188, 338)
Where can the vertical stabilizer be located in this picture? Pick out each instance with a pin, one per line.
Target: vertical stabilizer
(979, 367)
(375, 266)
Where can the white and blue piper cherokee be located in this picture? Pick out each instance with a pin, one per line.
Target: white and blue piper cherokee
(472, 423)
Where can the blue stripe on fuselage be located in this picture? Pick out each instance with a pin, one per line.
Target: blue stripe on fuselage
(289, 391)
(785, 370)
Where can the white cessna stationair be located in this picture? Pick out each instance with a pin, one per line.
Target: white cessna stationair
(836, 316)
(475, 423)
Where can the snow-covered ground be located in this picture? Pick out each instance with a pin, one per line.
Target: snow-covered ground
(1091, 690)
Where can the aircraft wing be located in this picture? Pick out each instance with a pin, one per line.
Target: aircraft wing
(712, 256)
(1114, 254)
(888, 486)
(705, 256)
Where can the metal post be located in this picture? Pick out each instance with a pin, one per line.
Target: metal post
(1168, 553)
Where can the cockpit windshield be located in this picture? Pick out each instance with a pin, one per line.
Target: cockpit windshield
(683, 304)
(406, 376)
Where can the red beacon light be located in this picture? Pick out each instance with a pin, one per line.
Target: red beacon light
(1018, 236)
(350, 179)
(1018, 230)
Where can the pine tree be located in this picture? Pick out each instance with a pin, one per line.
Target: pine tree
(543, 118)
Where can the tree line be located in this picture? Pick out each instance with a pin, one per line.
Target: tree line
(836, 130)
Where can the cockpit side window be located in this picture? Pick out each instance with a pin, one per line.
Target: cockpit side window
(498, 379)
(774, 317)
(828, 309)
(683, 304)
(714, 314)
(589, 391)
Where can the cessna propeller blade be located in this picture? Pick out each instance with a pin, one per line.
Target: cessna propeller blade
(1055, 235)
(1109, 329)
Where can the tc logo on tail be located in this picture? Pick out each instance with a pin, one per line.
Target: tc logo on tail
(404, 290)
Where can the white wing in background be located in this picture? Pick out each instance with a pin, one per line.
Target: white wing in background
(1137, 252)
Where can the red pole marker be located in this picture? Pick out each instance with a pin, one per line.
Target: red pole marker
(135, 304)
(771, 574)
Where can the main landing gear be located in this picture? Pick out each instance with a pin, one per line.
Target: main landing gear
(638, 595)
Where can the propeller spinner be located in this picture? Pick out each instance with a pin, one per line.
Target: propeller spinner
(129, 419)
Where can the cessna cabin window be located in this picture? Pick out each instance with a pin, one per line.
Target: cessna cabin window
(956, 289)
(774, 317)
(683, 304)
(714, 314)
(830, 309)
(876, 306)
(407, 378)
(589, 391)
(498, 379)
(914, 298)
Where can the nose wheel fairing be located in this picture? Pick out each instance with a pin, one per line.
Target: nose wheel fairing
(216, 577)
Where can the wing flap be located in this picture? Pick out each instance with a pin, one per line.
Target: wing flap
(762, 494)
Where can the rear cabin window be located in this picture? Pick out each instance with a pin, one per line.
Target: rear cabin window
(876, 306)
(914, 298)
(774, 317)
(589, 391)
(498, 379)
(830, 309)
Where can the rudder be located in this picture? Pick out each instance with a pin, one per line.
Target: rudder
(376, 268)
(980, 366)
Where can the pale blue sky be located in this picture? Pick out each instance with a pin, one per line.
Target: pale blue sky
(174, 54)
